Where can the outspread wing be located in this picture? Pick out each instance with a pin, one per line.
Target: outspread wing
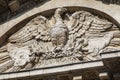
(34, 34)
(90, 34)
(33, 39)
(35, 27)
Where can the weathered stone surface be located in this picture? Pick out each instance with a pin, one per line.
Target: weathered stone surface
(62, 38)
(70, 35)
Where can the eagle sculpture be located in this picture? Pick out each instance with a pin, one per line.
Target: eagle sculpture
(65, 37)
(59, 31)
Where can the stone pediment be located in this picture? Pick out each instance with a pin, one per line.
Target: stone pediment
(63, 37)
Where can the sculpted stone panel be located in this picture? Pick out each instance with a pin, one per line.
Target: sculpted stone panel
(66, 37)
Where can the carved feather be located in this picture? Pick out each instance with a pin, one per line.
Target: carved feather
(82, 27)
(36, 28)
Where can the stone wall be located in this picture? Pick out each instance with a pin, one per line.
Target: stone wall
(10, 8)
(110, 1)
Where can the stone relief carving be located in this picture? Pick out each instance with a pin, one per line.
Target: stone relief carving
(62, 38)
(59, 31)
(96, 45)
(20, 56)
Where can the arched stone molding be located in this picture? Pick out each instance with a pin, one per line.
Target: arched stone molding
(13, 26)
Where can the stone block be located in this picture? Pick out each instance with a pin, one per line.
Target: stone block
(14, 6)
(77, 78)
(104, 76)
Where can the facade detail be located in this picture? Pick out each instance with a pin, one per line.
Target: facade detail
(79, 43)
(62, 38)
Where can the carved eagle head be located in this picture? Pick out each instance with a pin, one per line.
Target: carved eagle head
(60, 10)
